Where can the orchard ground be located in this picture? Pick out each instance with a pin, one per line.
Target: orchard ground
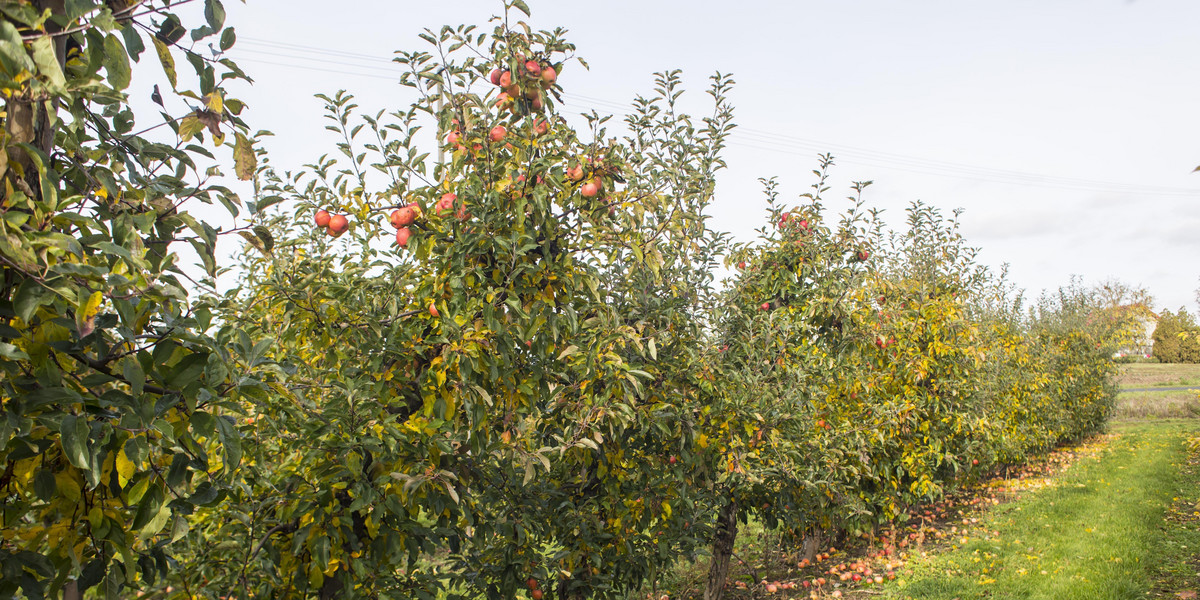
(1117, 516)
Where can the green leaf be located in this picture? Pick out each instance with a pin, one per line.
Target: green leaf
(521, 6)
(264, 234)
(245, 161)
(214, 13)
(74, 433)
(44, 485)
(116, 62)
(47, 61)
(228, 37)
(156, 523)
(133, 42)
(30, 295)
(168, 62)
(231, 443)
(171, 30)
(132, 370)
(13, 59)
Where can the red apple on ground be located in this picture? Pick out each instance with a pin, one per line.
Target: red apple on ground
(322, 218)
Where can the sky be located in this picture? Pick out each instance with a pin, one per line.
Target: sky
(1066, 131)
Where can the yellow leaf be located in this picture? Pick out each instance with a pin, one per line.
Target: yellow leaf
(125, 468)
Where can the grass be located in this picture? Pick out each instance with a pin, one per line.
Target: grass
(1182, 404)
(1096, 533)
(1143, 375)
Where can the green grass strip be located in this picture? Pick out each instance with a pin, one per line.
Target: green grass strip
(1096, 533)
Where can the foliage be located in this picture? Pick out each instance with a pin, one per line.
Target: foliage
(529, 383)
(1177, 338)
(112, 385)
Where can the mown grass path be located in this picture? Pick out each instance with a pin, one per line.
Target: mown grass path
(1096, 533)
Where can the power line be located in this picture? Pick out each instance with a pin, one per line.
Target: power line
(749, 137)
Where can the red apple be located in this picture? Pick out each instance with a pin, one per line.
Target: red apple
(536, 104)
(531, 583)
(433, 310)
(497, 133)
(338, 224)
(504, 80)
(549, 76)
(446, 203)
(673, 459)
(452, 138)
(402, 216)
(402, 236)
(540, 127)
(322, 218)
(494, 77)
(575, 173)
(533, 68)
(590, 189)
(536, 594)
(742, 264)
(765, 306)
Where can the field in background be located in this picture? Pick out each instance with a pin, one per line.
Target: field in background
(1166, 404)
(1140, 375)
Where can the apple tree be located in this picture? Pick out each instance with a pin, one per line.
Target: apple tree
(490, 364)
(112, 378)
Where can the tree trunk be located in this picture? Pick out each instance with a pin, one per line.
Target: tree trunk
(722, 551)
(812, 544)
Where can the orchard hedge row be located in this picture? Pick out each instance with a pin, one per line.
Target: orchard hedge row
(513, 371)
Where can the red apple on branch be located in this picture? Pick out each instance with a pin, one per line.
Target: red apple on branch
(338, 224)
(321, 218)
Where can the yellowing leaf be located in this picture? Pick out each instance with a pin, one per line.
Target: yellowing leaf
(125, 468)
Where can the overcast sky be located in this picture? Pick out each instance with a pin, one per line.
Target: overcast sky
(1067, 130)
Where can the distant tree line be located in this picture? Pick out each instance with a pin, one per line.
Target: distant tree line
(1177, 338)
